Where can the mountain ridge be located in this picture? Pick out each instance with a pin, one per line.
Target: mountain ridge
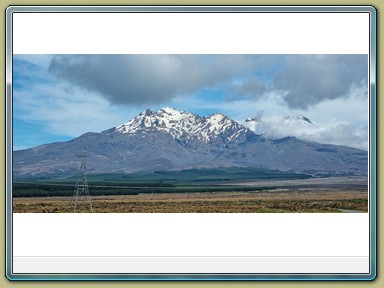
(184, 125)
(170, 139)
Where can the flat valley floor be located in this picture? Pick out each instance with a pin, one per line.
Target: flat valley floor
(278, 201)
(314, 195)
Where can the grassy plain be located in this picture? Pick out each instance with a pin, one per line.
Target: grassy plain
(226, 190)
(277, 201)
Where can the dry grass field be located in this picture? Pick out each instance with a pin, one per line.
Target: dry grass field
(277, 201)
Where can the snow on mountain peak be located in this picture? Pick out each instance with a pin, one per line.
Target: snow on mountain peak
(146, 112)
(217, 116)
(170, 110)
(184, 125)
(218, 122)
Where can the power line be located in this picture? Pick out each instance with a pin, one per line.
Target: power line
(81, 195)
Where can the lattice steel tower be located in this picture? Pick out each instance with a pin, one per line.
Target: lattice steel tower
(81, 195)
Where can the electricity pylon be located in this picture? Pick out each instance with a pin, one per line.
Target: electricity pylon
(81, 194)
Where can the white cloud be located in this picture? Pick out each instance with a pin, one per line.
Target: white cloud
(71, 103)
(41, 60)
(306, 80)
(68, 111)
(337, 133)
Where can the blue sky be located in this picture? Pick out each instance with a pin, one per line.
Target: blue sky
(59, 97)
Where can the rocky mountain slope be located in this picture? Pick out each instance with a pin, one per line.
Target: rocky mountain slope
(174, 140)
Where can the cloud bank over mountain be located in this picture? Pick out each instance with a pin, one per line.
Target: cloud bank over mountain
(59, 97)
(304, 80)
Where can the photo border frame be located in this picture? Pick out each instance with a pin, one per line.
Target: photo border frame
(194, 9)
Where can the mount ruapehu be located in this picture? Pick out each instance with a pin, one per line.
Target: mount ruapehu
(176, 140)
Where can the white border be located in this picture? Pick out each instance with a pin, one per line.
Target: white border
(191, 234)
(293, 33)
(191, 33)
(191, 243)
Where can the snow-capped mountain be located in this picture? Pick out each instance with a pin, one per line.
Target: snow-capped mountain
(185, 126)
(252, 122)
(174, 140)
(278, 127)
